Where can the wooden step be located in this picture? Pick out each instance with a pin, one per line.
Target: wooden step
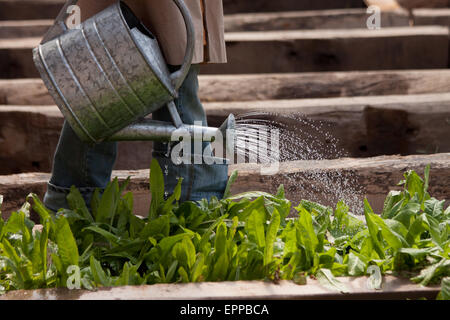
(315, 180)
(433, 17)
(273, 86)
(16, 58)
(288, 20)
(334, 50)
(331, 19)
(394, 288)
(356, 127)
(267, 21)
(10, 29)
(49, 9)
(294, 51)
(301, 20)
(235, 6)
(250, 87)
(29, 9)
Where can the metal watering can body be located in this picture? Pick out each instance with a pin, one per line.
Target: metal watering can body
(109, 72)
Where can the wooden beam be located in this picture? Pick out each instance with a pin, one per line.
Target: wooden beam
(331, 19)
(48, 9)
(16, 57)
(432, 17)
(10, 29)
(235, 6)
(251, 87)
(268, 21)
(392, 288)
(334, 50)
(301, 20)
(29, 9)
(294, 51)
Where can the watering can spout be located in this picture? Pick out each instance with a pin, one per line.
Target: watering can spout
(228, 124)
(153, 130)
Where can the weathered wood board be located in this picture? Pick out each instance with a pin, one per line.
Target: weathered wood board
(266, 21)
(234, 6)
(392, 288)
(334, 50)
(10, 29)
(326, 181)
(294, 51)
(273, 86)
(46, 9)
(321, 19)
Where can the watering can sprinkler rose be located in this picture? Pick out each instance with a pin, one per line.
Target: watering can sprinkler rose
(107, 74)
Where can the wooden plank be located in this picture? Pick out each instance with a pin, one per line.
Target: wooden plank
(326, 181)
(273, 86)
(16, 57)
(24, 92)
(29, 135)
(48, 9)
(331, 19)
(235, 6)
(357, 127)
(10, 29)
(334, 50)
(301, 20)
(266, 21)
(251, 87)
(29, 9)
(392, 288)
(294, 51)
(433, 17)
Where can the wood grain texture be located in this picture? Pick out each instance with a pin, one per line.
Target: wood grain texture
(294, 51)
(251, 87)
(301, 20)
(392, 288)
(334, 50)
(48, 9)
(234, 6)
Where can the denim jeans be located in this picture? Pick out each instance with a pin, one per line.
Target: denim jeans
(89, 167)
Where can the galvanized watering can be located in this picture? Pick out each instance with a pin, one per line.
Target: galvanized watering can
(107, 74)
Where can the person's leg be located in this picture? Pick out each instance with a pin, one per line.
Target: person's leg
(199, 180)
(78, 164)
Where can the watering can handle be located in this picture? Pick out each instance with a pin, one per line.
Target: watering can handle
(179, 76)
(176, 77)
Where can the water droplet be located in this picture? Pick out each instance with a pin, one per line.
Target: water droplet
(300, 138)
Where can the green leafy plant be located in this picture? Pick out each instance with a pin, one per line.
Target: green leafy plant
(250, 236)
